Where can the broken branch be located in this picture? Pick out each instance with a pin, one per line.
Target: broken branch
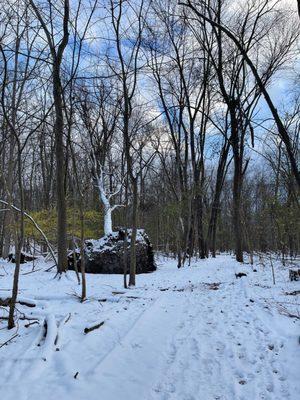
(92, 328)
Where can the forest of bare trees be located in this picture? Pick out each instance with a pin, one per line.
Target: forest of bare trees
(149, 199)
(178, 117)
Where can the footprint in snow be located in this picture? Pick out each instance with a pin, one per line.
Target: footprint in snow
(136, 345)
(282, 378)
(270, 387)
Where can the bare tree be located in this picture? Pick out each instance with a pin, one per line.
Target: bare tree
(128, 75)
(261, 9)
(57, 48)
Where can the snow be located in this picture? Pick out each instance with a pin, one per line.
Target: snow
(197, 333)
(106, 242)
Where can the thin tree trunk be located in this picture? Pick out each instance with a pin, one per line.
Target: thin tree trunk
(82, 258)
(58, 130)
(237, 189)
(133, 234)
(125, 246)
(60, 175)
(18, 244)
(221, 172)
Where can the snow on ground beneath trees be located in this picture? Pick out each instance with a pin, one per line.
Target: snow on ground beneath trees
(197, 333)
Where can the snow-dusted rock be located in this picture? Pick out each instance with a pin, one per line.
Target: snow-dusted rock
(105, 255)
(294, 274)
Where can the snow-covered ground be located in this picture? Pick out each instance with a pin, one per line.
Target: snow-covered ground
(198, 333)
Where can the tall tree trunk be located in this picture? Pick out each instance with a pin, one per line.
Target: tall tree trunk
(133, 233)
(57, 56)
(212, 228)
(8, 218)
(60, 173)
(125, 245)
(199, 213)
(12, 145)
(18, 246)
(237, 188)
(82, 259)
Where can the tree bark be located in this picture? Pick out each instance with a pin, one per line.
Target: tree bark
(60, 173)
(133, 233)
(58, 130)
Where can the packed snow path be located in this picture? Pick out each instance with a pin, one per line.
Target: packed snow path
(198, 333)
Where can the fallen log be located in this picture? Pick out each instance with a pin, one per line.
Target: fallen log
(92, 328)
(294, 293)
(25, 303)
(31, 323)
(240, 275)
(30, 272)
(9, 340)
(6, 302)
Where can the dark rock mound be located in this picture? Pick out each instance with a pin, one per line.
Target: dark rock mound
(105, 256)
(294, 274)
